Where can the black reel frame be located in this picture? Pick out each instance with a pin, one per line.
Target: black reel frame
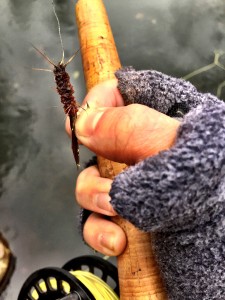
(61, 276)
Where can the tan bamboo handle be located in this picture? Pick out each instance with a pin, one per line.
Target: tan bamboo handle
(139, 276)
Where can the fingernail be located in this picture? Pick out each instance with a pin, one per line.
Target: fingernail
(102, 201)
(87, 121)
(106, 240)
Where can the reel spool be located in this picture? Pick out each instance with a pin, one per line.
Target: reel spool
(97, 266)
(76, 280)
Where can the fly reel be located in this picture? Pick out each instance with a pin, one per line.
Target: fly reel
(82, 278)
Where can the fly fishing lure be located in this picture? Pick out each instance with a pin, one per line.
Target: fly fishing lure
(64, 89)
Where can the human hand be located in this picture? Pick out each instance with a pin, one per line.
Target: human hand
(125, 134)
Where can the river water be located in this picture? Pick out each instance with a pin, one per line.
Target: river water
(38, 214)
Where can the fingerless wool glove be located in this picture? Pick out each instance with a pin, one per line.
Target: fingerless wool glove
(179, 194)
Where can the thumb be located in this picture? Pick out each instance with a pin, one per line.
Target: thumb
(126, 134)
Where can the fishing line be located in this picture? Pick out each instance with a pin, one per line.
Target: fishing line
(99, 288)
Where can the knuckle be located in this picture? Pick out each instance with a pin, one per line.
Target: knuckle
(87, 185)
(80, 187)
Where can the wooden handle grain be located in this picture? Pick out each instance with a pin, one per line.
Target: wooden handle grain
(139, 276)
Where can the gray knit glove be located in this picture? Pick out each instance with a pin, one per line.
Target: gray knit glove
(177, 186)
(179, 194)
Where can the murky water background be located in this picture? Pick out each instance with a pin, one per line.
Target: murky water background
(37, 171)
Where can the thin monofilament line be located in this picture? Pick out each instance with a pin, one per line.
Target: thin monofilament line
(59, 29)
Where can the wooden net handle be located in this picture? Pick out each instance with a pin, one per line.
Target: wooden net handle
(139, 276)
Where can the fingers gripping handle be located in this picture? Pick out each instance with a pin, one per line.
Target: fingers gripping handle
(138, 272)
